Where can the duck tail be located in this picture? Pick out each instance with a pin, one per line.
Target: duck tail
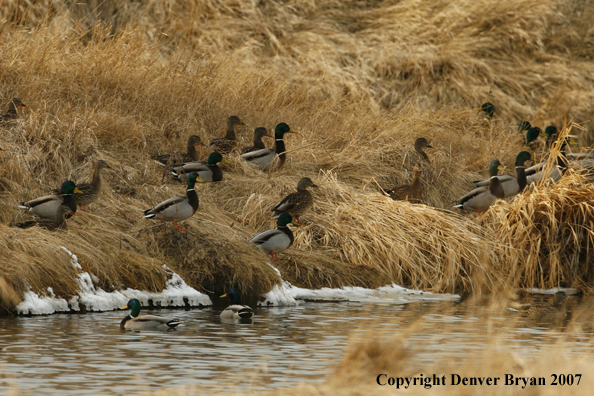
(148, 214)
(245, 313)
(174, 173)
(22, 205)
(160, 163)
(459, 206)
(173, 323)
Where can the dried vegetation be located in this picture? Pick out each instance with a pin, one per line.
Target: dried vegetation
(123, 81)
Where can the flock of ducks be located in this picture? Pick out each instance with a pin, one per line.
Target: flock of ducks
(53, 210)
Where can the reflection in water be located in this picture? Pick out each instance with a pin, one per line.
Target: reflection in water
(89, 354)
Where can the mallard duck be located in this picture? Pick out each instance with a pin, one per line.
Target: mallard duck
(259, 133)
(539, 173)
(47, 206)
(551, 136)
(532, 135)
(296, 203)
(136, 322)
(90, 191)
(512, 185)
(266, 158)
(229, 142)
(412, 192)
(524, 126)
(420, 145)
(276, 240)
(488, 109)
(481, 198)
(178, 158)
(235, 310)
(61, 214)
(12, 110)
(209, 171)
(557, 308)
(177, 208)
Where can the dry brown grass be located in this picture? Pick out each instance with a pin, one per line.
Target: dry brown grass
(360, 82)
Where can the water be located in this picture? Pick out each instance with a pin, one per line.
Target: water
(89, 354)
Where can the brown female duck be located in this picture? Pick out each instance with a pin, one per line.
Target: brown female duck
(296, 203)
(226, 144)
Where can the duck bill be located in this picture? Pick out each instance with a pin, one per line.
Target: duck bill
(501, 167)
(294, 222)
(76, 190)
(126, 307)
(224, 161)
(315, 186)
(429, 146)
(224, 295)
(292, 131)
(199, 180)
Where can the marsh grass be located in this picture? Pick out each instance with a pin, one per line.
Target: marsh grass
(124, 81)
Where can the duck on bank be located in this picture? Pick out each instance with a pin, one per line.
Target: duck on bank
(209, 171)
(47, 206)
(178, 158)
(177, 208)
(267, 159)
(276, 240)
(226, 144)
(481, 198)
(297, 203)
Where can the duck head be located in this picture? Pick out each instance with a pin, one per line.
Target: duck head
(133, 305)
(216, 157)
(68, 187)
(281, 129)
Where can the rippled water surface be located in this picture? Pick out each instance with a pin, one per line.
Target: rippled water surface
(89, 354)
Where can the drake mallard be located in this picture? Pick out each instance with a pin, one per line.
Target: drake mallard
(229, 142)
(481, 198)
(266, 158)
(512, 185)
(235, 310)
(47, 206)
(539, 173)
(276, 240)
(420, 145)
(412, 192)
(524, 126)
(488, 109)
(61, 215)
(90, 191)
(259, 133)
(12, 110)
(177, 208)
(551, 136)
(532, 135)
(296, 203)
(136, 322)
(178, 158)
(208, 171)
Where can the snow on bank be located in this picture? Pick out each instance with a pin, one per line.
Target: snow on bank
(287, 294)
(175, 294)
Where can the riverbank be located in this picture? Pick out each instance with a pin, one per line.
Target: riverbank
(123, 84)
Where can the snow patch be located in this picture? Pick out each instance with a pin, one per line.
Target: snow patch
(287, 294)
(93, 298)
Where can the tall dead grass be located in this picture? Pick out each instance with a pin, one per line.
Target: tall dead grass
(123, 81)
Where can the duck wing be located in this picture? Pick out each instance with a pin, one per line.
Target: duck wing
(485, 183)
(265, 236)
(163, 206)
